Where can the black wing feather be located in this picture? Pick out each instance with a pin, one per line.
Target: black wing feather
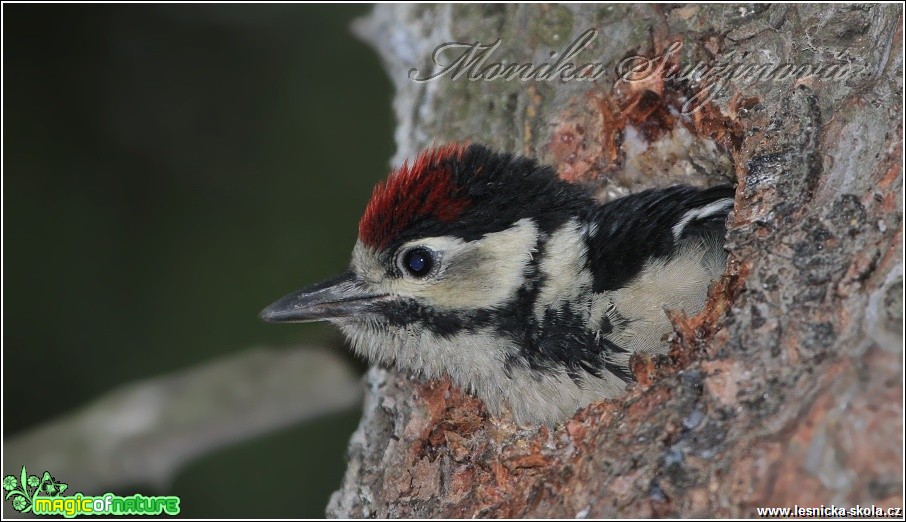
(635, 228)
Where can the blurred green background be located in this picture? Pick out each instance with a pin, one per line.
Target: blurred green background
(169, 170)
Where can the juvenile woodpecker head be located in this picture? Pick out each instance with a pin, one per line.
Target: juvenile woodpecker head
(521, 287)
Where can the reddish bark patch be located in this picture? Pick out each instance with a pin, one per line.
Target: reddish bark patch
(589, 141)
(644, 368)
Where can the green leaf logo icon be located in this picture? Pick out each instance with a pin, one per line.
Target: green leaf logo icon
(22, 491)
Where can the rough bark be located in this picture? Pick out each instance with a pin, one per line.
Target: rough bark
(787, 389)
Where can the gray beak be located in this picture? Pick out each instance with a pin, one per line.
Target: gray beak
(337, 298)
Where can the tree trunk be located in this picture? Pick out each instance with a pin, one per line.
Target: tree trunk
(787, 389)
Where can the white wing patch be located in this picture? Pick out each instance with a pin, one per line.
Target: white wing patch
(701, 213)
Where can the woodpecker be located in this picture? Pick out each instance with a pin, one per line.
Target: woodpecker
(521, 287)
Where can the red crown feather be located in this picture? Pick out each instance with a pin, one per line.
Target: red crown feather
(424, 190)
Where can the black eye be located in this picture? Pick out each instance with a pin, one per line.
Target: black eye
(418, 262)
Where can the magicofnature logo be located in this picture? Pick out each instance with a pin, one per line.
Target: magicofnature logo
(45, 496)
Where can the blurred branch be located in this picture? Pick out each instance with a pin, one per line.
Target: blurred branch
(143, 433)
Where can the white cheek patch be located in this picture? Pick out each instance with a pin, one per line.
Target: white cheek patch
(473, 274)
(476, 274)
